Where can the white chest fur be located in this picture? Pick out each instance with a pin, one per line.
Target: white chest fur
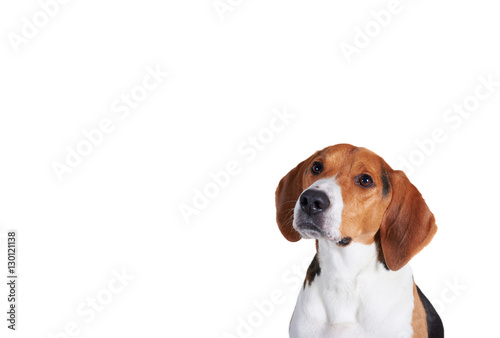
(354, 296)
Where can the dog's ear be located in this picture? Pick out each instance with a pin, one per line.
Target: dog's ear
(407, 226)
(287, 194)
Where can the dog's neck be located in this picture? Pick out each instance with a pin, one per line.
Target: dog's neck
(353, 293)
(348, 262)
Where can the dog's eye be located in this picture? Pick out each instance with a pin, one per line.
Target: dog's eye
(365, 181)
(317, 168)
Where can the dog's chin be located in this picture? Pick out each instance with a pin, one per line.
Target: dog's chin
(310, 234)
(309, 230)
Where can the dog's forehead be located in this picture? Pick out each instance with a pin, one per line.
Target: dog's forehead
(348, 158)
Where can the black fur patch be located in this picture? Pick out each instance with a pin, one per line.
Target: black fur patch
(386, 187)
(434, 324)
(312, 271)
(344, 241)
(381, 257)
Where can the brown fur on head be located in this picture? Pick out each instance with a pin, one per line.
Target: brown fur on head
(391, 210)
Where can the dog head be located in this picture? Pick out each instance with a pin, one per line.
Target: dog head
(345, 193)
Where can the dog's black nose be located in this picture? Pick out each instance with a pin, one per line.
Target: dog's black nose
(314, 201)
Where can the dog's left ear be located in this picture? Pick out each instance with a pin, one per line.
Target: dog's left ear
(407, 226)
(287, 194)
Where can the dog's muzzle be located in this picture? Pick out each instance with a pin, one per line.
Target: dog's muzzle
(314, 202)
(318, 212)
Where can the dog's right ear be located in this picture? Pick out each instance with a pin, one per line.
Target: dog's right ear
(408, 224)
(287, 194)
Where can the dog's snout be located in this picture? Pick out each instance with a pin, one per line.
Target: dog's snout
(314, 201)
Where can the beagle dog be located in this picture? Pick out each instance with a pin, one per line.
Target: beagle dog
(368, 221)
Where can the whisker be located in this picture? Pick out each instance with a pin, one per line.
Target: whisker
(289, 216)
(283, 203)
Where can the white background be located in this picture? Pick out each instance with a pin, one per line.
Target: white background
(120, 208)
